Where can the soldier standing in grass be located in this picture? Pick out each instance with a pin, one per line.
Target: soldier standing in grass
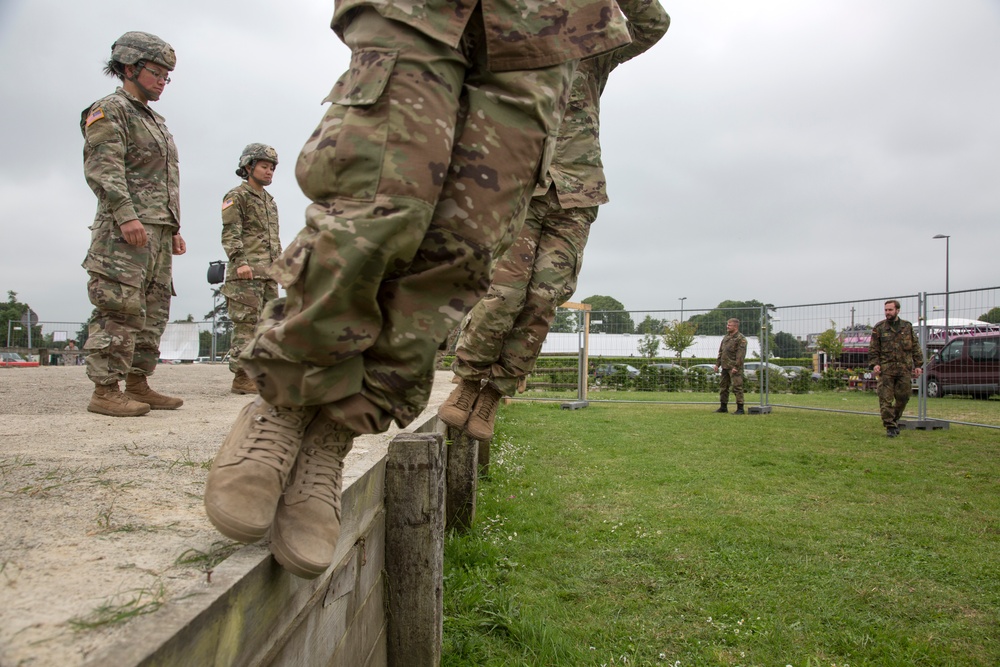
(250, 239)
(504, 332)
(895, 356)
(434, 140)
(732, 352)
(130, 162)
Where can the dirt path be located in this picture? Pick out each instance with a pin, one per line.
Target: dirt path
(96, 511)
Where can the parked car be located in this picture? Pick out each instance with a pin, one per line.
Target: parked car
(750, 368)
(15, 360)
(794, 371)
(966, 365)
(667, 367)
(605, 370)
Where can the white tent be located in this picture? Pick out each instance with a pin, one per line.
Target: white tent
(627, 345)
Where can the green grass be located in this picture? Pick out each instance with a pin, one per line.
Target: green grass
(956, 408)
(657, 535)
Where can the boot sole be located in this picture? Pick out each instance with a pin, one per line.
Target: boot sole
(233, 529)
(151, 406)
(108, 413)
(287, 560)
(454, 422)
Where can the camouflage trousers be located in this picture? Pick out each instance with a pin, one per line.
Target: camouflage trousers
(245, 301)
(415, 173)
(504, 333)
(894, 387)
(727, 378)
(130, 289)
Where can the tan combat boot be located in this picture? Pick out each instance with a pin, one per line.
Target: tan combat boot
(480, 425)
(251, 468)
(242, 384)
(457, 407)
(307, 523)
(107, 399)
(138, 389)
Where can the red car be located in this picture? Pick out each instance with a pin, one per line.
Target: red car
(13, 359)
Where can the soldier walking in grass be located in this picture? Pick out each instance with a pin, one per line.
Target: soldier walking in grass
(732, 352)
(250, 239)
(434, 140)
(130, 162)
(895, 356)
(503, 335)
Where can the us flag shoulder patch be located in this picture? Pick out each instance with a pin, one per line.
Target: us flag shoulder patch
(95, 115)
(227, 203)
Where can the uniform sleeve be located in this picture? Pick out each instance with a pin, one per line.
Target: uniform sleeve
(918, 354)
(741, 352)
(875, 348)
(105, 143)
(647, 23)
(232, 229)
(718, 359)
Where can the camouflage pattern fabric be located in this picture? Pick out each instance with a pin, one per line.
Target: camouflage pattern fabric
(505, 332)
(130, 288)
(130, 162)
(732, 351)
(408, 211)
(895, 348)
(517, 35)
(245, 301)
(731, 377)
(250, 234)
(250, 237)
(893, 394)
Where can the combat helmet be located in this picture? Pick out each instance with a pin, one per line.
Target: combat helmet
(134, 46)
(251, 154)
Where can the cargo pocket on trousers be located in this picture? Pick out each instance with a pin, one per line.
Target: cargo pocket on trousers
(115, 283)
(344, 155)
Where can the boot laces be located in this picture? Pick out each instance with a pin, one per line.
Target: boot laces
(469, 392)
(276, 435)
(320, 475)
(487, 404)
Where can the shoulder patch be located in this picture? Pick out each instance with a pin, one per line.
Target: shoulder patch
(95, 115)
(227, 203)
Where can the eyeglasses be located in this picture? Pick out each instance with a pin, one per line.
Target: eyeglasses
(159, 75)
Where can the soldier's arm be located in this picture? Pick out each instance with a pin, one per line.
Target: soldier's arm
(875, 348)
(741, 352)
(104, 132)
(647, 23)
(232, 230)
(918, 354)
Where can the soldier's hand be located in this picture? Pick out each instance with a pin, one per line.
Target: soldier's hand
(134, 233)
(244, 272)
(917, 372)
(876, 369)
(179, 247)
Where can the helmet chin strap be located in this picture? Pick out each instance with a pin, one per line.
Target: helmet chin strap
(146, 92)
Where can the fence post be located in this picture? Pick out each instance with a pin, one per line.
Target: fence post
(414, 548)
(462, 475)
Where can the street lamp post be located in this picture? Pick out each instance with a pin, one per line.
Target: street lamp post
(947, 292)
(682, 299)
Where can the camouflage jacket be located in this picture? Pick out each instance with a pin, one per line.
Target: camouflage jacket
(732, 351)
(520, 34)
(249, 230)
(130, 161)
(576, 169)
(895, 348)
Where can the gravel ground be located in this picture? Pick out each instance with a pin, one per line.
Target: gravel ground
(96, 511)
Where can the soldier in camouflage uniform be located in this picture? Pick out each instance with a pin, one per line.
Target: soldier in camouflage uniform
(895, 355)
(250, 239)
(435, 137)
(732, 352)
(505, 331)
(130, 162)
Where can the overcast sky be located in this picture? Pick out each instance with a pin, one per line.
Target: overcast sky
(787, 151)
